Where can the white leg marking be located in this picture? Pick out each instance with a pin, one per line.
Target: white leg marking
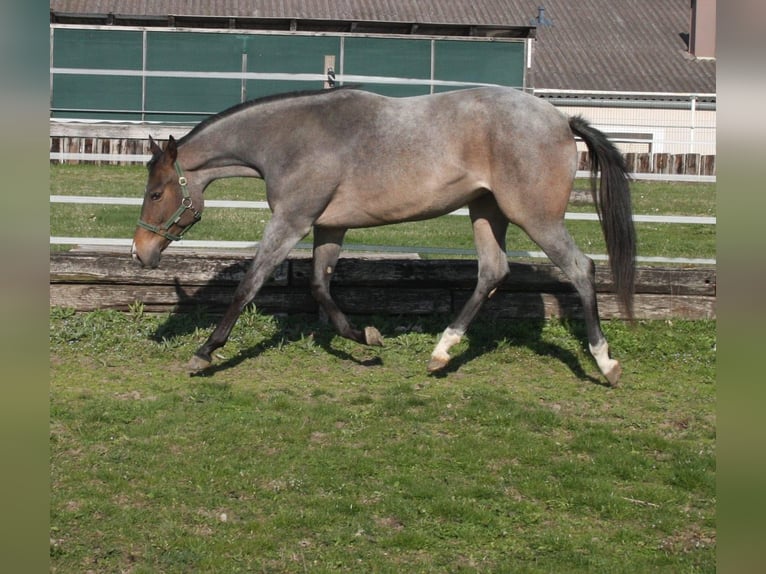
(601, 353)
(449, 339)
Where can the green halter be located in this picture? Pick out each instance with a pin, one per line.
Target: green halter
(186, 205)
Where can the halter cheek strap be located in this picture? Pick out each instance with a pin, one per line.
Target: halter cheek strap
(186, 205)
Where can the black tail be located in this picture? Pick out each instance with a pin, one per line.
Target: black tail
(612, 198)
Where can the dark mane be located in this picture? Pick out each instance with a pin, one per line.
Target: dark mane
(252, 103)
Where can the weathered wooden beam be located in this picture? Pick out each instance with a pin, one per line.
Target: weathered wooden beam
(506, 305)
(407, 286)
(228, 269)
(118, 267)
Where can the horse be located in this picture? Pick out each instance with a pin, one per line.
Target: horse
(346, 158)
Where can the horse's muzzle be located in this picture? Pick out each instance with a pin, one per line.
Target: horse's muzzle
(146, 257)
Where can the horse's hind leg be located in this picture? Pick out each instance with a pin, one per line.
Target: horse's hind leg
(489, 227)
(562, 250)
(327, 245)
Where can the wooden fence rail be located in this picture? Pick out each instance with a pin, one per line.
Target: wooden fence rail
(383, 285)
(114, 151)
(109, 143)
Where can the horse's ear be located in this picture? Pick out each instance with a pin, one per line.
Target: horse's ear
(171, 149)
(153, 147)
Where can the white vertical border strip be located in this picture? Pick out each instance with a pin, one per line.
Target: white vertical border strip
(144, 51)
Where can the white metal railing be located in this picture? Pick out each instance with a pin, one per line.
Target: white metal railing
(225, 203)
(210, 244)
(655, 122)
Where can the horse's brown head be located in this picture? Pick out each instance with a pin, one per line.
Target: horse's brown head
(171, 205)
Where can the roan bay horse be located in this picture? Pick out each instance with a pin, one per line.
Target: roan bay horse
(345, 158)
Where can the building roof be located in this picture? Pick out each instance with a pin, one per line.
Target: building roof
(497, 12)
(589, 44)
(622, 46)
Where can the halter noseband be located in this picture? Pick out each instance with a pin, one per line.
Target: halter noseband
(186, 205)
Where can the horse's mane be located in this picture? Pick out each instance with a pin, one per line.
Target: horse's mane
(257, 102)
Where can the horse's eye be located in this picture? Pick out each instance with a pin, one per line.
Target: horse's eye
(155, 195)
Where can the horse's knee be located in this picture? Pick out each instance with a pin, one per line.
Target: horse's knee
(505, 271)
(320, 282)
(584, 270)
(491, 277)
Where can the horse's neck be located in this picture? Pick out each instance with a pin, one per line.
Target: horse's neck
(211, 153)
(238, 145)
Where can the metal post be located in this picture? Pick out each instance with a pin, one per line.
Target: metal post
(243, 86)
(329, 70)
(693, 122)
(143, 76)
(433, 66)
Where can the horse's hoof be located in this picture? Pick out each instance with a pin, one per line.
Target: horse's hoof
(613, 374)
(197, 364)
(373, 337)
(437, 363)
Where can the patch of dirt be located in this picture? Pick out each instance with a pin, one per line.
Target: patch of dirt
(689, 540)
(389, 522)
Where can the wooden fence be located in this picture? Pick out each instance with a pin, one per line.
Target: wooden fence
(75, 142)
(383, 285)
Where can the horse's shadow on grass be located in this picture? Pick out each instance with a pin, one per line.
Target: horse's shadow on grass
(195, 314)
(202, 311)
(289, 331)
(522, 333)
(491, 330)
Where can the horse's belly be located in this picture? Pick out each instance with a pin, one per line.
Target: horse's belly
(384, 207)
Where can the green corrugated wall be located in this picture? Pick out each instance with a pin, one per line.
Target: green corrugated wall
(136, 74)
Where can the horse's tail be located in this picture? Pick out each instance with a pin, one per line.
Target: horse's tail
(612, 199)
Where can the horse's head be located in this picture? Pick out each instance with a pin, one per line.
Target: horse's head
(171, 205)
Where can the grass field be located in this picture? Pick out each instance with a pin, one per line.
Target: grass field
(303, 452)
(450, 232)
(300, 451)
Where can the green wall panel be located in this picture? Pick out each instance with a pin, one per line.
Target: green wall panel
(261, 88)
(482, 62)
(115, 49)
(96, 49)
(389, 57)
(112, 94)
(194, 52)
(73, 93)
(291, 54)
(199, 97)
(288, 55)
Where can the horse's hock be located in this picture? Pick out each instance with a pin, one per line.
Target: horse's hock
(86, 280)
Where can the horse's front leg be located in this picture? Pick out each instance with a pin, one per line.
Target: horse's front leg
(278, 239)
(246, 291)
(327, 246)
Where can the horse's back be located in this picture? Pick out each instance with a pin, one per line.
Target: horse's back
(401, 159)
(504, 101)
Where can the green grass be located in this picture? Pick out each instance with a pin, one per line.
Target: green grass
(449, 232)
(303, 452)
